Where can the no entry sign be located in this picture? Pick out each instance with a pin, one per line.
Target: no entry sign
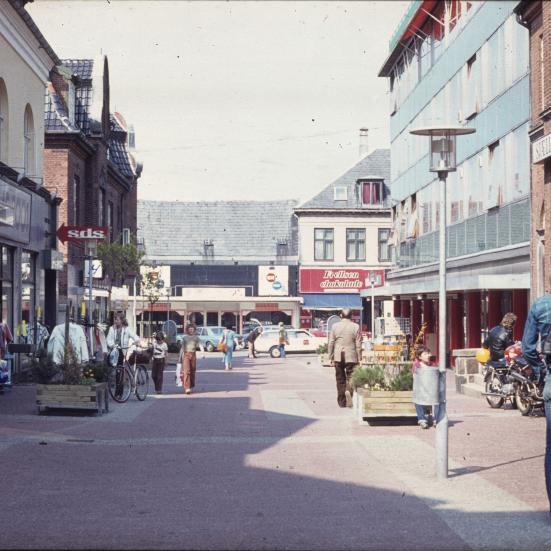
(79, 233)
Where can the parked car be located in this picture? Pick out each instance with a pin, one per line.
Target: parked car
(245, 337)
(320, 331)
(300, 341)
(210, 337)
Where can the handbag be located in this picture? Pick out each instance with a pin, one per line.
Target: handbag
(222, 347)
(179, 374)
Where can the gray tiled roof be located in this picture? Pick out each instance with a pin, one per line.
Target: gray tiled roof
(376, 164)
(118, 153)
(82, 67)
(56, 116)
(237, 228)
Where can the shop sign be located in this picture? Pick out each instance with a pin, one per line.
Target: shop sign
(15, 213)
(273, 280)
(81, 233)
(266, 307)
(330, 280)
(158, 307)
(541, 149)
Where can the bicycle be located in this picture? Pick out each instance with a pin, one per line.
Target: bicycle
(127, 378)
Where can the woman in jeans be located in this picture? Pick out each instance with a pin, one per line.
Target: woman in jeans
(228, 338)
(188, 357)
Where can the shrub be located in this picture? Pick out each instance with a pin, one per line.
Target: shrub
(402, 381)
(373, 376)
(322, 349)
(44, 370)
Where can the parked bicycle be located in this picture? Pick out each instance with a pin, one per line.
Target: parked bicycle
(127, 378)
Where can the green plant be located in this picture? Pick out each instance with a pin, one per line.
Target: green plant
(100, 371)
(120, 261)
(71, 368)
(373, 376)
(322, 349)
(404, 379)
(44, 370)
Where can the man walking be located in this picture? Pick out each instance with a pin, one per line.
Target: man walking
(345, 352)
(538, 325)
(253, 335)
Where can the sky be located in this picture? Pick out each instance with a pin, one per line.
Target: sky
(236, 100)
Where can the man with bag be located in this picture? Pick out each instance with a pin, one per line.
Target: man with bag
(345, 352)
(538, 328)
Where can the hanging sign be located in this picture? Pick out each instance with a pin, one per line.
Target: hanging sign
(79, 233)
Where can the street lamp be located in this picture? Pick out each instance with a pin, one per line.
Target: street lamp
(442, 160)
(372, 283)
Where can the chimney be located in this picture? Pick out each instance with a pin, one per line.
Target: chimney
(364, 142)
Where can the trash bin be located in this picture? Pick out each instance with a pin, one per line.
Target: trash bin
(426, 386)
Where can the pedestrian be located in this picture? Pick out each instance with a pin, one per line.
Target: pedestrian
(160, 350)
(345, 351)
(538, 328)
(283, 340)
(500, 337)
(423, 359)
(253, 335)
(188, 357)
(228, 340)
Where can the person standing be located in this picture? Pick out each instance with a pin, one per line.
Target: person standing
(283, 340)
(500, 337)
(228, 339)
(253, 335)
(345, 352)
(160, 350)
(422, 359)
(537, 328)
(188, 357)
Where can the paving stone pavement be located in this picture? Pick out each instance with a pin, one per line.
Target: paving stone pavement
(261, 457)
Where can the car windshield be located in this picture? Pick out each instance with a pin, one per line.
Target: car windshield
(217, 330)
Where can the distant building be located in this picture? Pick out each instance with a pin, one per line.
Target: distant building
(220, 262)
(88, 163)
(536, 16)
(461, 63)
(344, 234)
(28, 283)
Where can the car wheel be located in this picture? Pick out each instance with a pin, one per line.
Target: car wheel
(275, 352)
(209, 347)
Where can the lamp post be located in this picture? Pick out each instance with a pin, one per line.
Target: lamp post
(442, 160)
(372, 283)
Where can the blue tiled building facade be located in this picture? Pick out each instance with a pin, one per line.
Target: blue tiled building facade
(461, 63)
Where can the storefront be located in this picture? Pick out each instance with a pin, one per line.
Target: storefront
(326, 291)
(29, 261)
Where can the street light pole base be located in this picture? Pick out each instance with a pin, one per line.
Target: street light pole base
(442, 443)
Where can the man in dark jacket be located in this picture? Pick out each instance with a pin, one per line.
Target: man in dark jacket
(253, 335)
(500, 337)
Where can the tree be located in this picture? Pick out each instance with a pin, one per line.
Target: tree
(150, 288)
(120, 261)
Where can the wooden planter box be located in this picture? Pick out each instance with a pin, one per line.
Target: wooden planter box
(324, 360)
(94, 397)
(371, 404)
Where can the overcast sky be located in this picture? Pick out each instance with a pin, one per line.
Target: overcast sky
(236, 100)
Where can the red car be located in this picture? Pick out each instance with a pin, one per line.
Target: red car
(320, 331)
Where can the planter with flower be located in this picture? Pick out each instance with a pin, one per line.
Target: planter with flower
(383, 390)
(71, 385)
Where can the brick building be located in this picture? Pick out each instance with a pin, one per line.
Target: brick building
(87, 162)
(536, 16)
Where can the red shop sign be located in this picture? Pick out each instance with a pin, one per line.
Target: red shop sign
(329, 280)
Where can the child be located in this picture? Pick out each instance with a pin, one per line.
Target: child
(160, 349)
(422, 359)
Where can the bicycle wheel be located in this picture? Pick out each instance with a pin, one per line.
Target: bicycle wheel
(119, 384)
(142, 382)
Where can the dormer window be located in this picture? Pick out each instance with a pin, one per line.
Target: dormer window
(208, 247)
(340, 193)
(372, 193)
(71, 102)
(282, 247)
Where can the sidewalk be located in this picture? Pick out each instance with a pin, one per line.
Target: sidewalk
(262, 458)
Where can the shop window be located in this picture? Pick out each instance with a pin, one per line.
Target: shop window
(384, 249)
(28, 286)
(323, 243)
(6, 286)
(355, 244)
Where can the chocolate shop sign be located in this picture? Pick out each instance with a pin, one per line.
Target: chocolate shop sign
(541, 149)
(325, 280)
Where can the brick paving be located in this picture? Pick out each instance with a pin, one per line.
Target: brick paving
(262, 458)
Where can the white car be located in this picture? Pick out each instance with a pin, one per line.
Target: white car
(300, 340)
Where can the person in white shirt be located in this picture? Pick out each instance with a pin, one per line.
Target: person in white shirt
(160, 349)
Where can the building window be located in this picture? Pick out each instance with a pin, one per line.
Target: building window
(28, 279)
(3, 121)
(323, 244)
(28, 142)
(6, 285)
(76, 199)
(110, 219)
(355, 244)
(71, 102)
(101, 203)
(471, 87)
(384, 249)
(372, 193)
(340, 193)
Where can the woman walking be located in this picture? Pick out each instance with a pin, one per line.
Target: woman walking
(160, 349)
(188, 357)
(283, 340)
(228, 340)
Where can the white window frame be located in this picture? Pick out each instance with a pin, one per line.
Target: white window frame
(340, 193)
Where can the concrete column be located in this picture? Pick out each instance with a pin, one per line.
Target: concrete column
(520, 308)
(494, 308)
(473, 319)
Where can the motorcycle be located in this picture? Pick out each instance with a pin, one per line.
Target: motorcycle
(528, 395)
(499, 386)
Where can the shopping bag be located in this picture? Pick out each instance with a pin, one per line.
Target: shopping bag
(178, 374)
